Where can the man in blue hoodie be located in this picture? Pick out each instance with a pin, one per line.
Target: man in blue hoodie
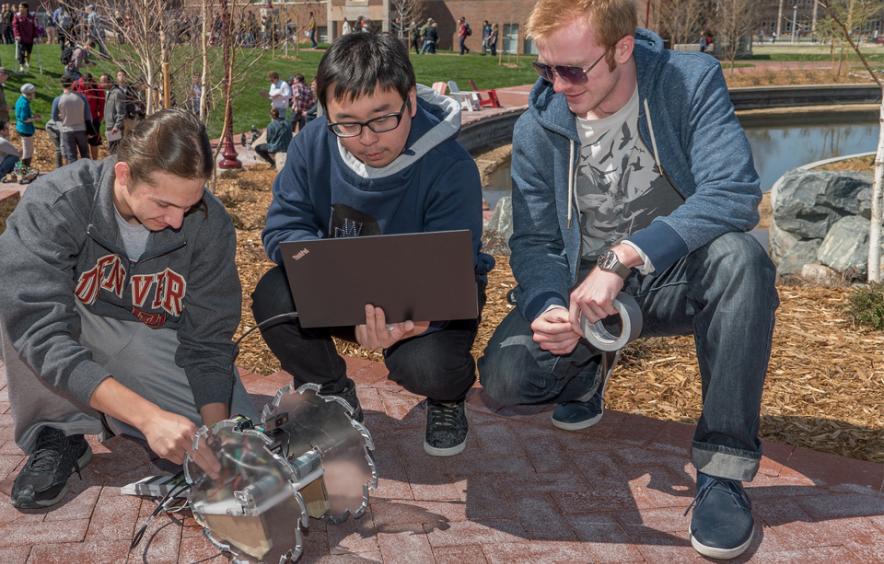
(631, 173)
(383, 159)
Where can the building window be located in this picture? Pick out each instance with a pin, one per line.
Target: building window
(529, 48)
(510, 38)
(322, 34)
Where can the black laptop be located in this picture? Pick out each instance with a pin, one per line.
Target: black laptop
(418, 276)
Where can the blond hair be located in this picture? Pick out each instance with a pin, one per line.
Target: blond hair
(611, 19)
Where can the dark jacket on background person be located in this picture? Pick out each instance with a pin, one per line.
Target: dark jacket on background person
(186, 280)
(115, 108)
(24, 28)
(4, 105)
(279, 135)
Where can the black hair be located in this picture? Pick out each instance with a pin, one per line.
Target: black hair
(358, 63)
(66, 81)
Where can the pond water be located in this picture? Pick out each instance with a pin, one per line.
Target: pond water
(780, 148)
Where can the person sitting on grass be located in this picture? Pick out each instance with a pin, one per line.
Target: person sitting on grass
(384, 159)
(120, 301)
(9, 153)
(279, 135)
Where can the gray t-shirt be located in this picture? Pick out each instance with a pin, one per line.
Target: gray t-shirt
(134, 236)
(619, 187)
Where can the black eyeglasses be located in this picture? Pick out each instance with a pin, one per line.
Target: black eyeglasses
(380, 124)
(574, 75)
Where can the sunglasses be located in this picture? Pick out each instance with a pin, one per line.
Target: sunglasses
(574, 75)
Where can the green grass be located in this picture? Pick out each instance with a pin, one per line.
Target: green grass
(250, 107)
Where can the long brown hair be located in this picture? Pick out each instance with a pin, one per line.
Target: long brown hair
(172, 141)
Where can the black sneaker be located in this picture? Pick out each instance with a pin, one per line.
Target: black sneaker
(446, 428)
(349, 395)
(585, 412)
(722, 524)
(44, 479)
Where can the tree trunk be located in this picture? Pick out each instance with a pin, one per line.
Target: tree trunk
(874, 264)
(204, 73)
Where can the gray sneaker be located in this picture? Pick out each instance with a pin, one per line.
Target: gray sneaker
(447, 428)
(586, 411)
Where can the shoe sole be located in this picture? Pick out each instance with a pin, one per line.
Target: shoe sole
(450, 451)
(721, 553)
(586, 424)
(85, 459)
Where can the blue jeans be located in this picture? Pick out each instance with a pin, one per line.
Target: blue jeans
(7, 165)
(723, 294)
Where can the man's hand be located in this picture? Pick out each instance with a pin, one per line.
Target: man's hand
(170, 435)
(594, 298)
(554, 333)
(377, 334)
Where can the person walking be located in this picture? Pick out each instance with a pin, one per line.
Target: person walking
(486, 31)
(311, 31)
(24, 28)
(492, 40)
(463, 31)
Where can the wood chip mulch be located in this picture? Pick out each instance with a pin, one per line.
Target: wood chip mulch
(824, 389)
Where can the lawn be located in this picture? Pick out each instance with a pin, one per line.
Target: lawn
(250, 107)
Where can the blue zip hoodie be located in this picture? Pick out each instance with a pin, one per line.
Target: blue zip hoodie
(323, 191)
(687, 120)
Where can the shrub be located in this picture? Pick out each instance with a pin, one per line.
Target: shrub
(867, 306)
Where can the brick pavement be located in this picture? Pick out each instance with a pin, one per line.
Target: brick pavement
(521, 492)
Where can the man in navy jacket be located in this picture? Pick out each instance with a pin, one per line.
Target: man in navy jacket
(631, 173)
(383, 159)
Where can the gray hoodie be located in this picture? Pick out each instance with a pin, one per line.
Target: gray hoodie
(62, 243)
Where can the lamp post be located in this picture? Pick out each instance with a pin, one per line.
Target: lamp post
(228, 149)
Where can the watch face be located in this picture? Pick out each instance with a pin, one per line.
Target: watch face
(607, 260)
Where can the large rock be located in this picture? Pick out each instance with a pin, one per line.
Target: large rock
(802, 253)
(821, 275)
(808, 203)
(780, 243)
(846, 246)
(499, 227)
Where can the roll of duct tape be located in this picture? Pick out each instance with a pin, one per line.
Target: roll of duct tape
(630, 326)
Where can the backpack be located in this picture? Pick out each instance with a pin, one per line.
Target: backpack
(468, 31)
(67, 54)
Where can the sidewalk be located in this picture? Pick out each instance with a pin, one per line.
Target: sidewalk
(521, 492)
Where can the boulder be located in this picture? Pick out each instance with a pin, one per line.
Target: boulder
(280, 159)
(800, 254)
(780, 242)
(499, 227)
(821, 275)
(846, 246)
(808, 203)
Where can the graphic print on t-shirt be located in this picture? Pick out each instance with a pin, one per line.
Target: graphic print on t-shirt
(619, 186)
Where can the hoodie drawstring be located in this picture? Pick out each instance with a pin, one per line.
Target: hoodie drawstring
(653, 139)
(570, 181)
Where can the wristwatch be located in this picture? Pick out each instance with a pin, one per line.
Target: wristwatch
(609, 262)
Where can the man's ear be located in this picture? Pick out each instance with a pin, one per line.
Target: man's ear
(412, 101)
(122, 174)
(623, 49)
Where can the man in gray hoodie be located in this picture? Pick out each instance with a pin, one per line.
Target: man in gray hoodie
(120, 299)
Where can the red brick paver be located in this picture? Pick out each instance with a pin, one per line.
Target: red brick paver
(521, 492)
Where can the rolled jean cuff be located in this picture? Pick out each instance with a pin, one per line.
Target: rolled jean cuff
(725, 462)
